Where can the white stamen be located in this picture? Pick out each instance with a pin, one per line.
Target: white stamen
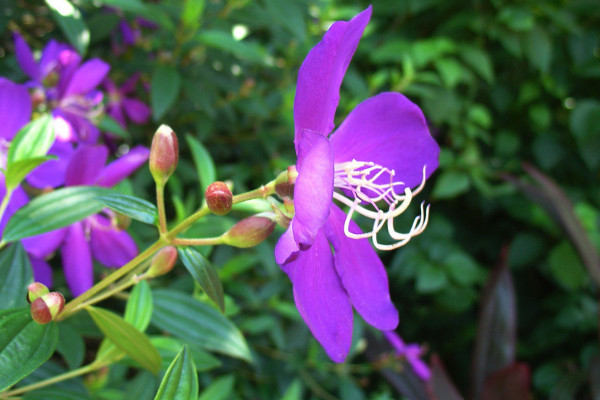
(359, 179)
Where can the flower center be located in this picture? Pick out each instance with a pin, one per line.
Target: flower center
(363, 186)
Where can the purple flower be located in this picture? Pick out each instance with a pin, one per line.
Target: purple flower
(383, 147)
(67, 86)
(98, 236)
(121, 103)
(15, 108)
(411, 352)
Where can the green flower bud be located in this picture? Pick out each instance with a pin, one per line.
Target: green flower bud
(36, 290)
(218, 198)
(164, 154)
(250, 231)
(164, 261)
(47, 307)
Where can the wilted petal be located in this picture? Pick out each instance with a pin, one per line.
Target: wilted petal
(51, 174)
(286, 247)
(321, 75)
(111, 246)
(15, 108)
(25, 58)
(321, 299)
(77, 260)
(87, 77)
(86, 165)
(362, 273)
(314, 187)
(389, 130)
(124, 166)
(136, 110)
(42, 272)
(43, 245)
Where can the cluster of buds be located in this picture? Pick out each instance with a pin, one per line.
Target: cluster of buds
(45, 305)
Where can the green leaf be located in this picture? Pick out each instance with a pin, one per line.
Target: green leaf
(69, 19)
(584, 122)
(166, 83)
(220, 389)
(538, 47)
(127, 338)
(479, 61)
(205, 166)
(168, 347)
(18, 170)
(181, 379)
(70, 345)
(223, 41)
(139, 306)
(32, 141)
(566, 267)
(108, 124)
(196, 322)
(24, 345)
(15, 276)
(134, 207)
(191, 15)
(205, 274)
(54, 210)
(294, 391)
(132, 6)
(450, 184)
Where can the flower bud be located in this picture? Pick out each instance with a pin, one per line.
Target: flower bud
(218, 198)
(36, 290)
(250, 231)
(163, 261)
(164, 154)
(284, 184)
(46, 308)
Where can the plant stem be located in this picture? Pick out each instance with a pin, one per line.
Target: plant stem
(160, 204)
(197, 242)
(55, 379)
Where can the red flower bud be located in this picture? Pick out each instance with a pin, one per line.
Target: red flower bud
(250, 231)
(36, 290)
(218, 198)
(164, 154)
(164, 261)
(46, 308)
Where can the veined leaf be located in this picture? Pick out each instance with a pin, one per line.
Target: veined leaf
(205, 274)
(70, 21)
(205, 166)
(24, 345)
(18, 170)
(181, 379)
(54, 210)
(164, 90)
(139, 306)
(134, 207)
(15, 276)
(33, 140)
(127, 338)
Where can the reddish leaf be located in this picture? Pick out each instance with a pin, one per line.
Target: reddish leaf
(510, 383)
(496, 331)
(440, 383)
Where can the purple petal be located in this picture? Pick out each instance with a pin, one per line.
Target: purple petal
(18, 199)
(42, 272)
(51, 174)
(115, 110)
(121, 168)
(25, 58)
(321, 75)
(111, 246)
(389, 130)
(50, 57)
(362, 273)
(86, 165)
(321, 299)
(63, 130)
(15, 108)
(286, 248)
(87, 77)
(396, 341)
(129, 84)
(77, 260)
(41, 246)
(129, 35)
(72, 127)
(136, 110)
(420, 367)
(314, 187)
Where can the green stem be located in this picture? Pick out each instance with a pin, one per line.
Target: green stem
(58, 378)
(160, 204)
(197, 242)
(121, 272)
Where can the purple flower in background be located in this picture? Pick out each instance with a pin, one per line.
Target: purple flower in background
(411, 352)
(383, 147)
(121, 103)
(67, 86)
(97, 236)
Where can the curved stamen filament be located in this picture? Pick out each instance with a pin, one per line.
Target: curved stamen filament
(362, 181)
